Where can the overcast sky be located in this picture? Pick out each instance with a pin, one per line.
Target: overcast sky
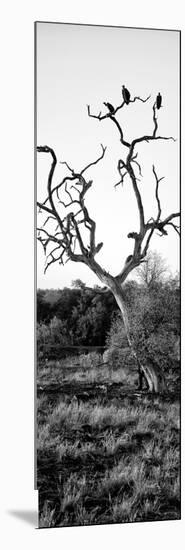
(79, 65)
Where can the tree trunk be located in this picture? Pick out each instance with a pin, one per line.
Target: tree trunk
(118, 295)
(145, 373)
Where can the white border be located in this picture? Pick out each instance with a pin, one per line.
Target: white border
(17, 254)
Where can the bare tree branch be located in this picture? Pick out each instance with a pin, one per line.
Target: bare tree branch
(155, 120)
(109, 115)
(75, 187)
(136, 162)
(157, 194)
(146, 139)
(138, 98)
(74, 237)
(95, 161)
(116, 109)
(128, 170)
(121, 164)
(69, 234)
(123, 141)
(43, 207)
(176, 227)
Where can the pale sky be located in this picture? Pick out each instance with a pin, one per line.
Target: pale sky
(79, 65)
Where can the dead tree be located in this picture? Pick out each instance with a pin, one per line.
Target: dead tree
(69, 232)
(152, 271)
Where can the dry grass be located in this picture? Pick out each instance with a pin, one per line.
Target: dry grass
(105, 456)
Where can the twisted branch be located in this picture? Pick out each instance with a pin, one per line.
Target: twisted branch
(69, 234)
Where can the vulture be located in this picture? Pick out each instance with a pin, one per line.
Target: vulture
(159, 100)
(126, 95)
(109, 106)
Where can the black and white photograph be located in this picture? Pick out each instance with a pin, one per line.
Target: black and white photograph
(108, 330)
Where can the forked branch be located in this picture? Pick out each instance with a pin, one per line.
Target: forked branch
(67, 233)
(74, 236)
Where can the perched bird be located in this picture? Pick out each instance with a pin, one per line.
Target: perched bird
(158, 100)
(109, 106)
(126, 95)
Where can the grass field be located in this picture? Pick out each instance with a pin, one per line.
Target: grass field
(107, 453)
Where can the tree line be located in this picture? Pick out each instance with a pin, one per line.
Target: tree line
(84, 316)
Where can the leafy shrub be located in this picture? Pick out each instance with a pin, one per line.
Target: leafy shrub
(154, 317)
(117, 357)
(92, 359)
(52, 338)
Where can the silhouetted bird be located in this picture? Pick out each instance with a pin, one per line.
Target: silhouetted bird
(126, 95)
(109, 106)
(159, 100)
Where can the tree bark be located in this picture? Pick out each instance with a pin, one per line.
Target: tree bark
(118, 295)
(148, 372)
(117, 291)
(145, 373)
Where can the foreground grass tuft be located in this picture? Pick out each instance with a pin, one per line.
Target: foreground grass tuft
(104, 456)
